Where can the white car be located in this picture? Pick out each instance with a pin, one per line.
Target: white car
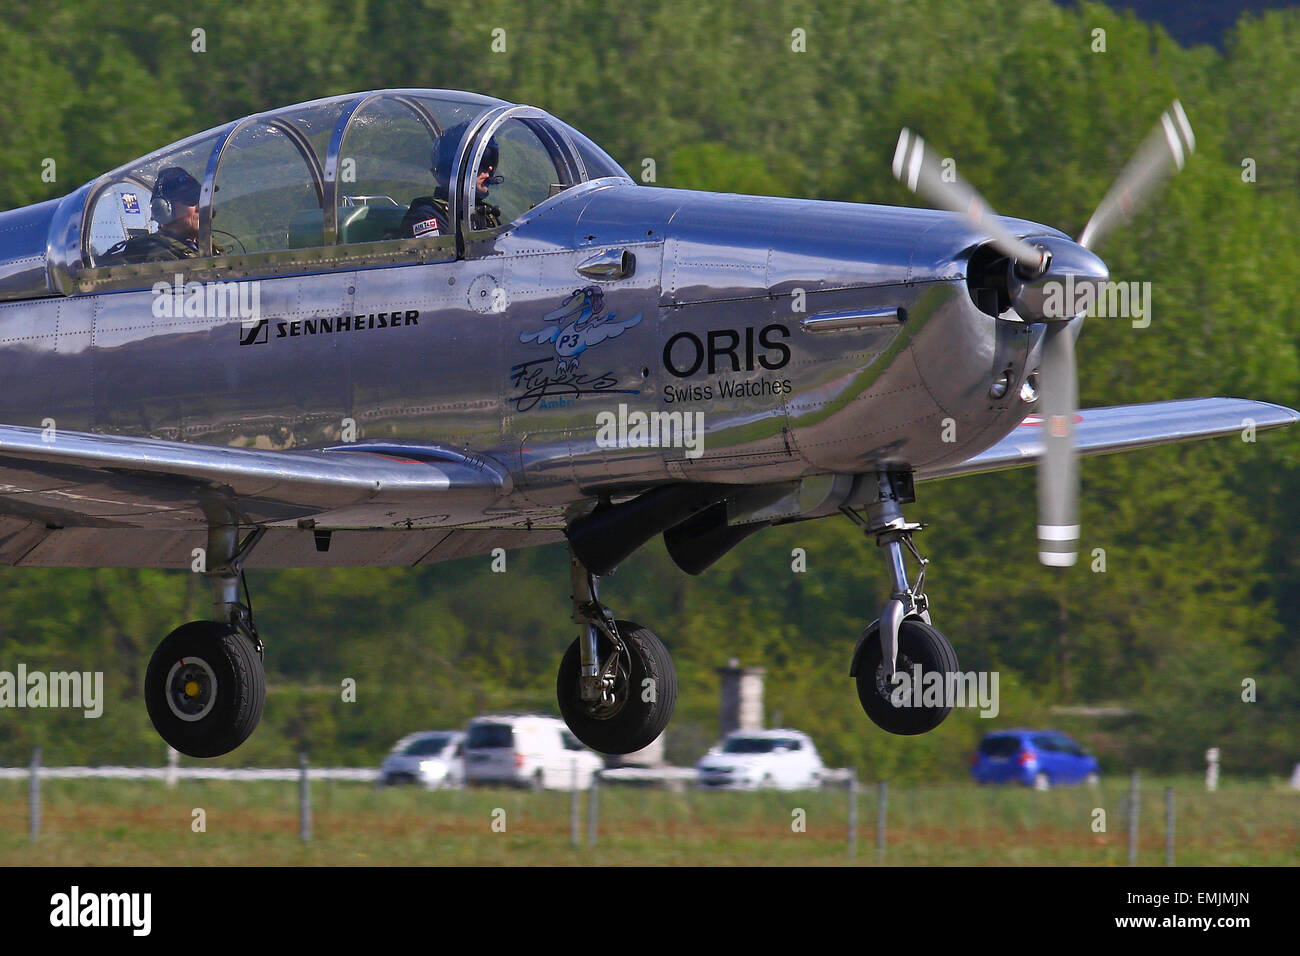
(757, 759)
(433, 758)
(525, 750)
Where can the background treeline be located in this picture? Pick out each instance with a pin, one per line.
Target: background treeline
(1202, 582)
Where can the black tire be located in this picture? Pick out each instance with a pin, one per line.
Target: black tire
(918, 643)
(218, 718)
(633, 723)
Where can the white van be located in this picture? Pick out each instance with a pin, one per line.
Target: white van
(526, 750)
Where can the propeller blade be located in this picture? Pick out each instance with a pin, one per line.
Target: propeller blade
(920, 170)
(1058, 470)
(1164, 151)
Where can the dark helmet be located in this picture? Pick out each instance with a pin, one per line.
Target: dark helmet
(173, 188)
(443, 155)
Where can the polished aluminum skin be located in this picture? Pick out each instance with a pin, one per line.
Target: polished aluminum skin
(429, 398)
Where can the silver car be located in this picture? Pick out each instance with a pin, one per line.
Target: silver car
(433, 758)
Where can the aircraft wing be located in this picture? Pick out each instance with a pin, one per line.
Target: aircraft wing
(1099, 431)
(84, 484)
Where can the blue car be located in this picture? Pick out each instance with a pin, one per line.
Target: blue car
(1035, 758)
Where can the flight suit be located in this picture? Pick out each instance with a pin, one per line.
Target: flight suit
(431, 216)
(428, 216)
(152, 247)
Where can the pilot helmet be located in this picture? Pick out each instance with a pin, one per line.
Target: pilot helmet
(173, 189)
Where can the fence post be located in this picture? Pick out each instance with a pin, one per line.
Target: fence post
(853, 815)
(34, 797)
(1169, 826)
(574, 797)
(593, 809)
(304, 799)
(173, 765)
(882, 800)
(1133, 819)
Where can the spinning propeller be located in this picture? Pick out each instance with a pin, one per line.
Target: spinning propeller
(1039, 273)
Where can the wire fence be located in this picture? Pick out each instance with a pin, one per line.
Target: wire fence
(920, 812)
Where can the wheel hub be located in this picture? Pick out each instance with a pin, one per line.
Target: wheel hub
(191, 689)
(883, 687)
(613, 692)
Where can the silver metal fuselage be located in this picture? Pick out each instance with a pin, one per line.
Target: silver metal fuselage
(774, 318)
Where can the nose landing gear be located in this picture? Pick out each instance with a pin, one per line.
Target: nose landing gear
(901, 655)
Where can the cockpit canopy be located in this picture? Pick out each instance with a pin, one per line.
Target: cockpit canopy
(281, 190)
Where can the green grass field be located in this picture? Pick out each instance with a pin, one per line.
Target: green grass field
(99, 822)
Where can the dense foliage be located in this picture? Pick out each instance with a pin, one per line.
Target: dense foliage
(1202, 582)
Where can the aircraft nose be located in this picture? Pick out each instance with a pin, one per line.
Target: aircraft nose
(1079, 261)
(1066, 288)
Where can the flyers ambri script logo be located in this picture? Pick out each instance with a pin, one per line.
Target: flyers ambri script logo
(264, 330)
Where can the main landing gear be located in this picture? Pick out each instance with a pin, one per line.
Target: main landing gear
(902, 640)
(205, 686)
(617, 685)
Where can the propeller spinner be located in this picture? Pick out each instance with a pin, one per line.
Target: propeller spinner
(1035, 269)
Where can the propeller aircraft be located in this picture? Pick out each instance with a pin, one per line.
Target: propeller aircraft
(398, 327)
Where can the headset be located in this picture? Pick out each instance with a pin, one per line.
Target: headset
(173, 188)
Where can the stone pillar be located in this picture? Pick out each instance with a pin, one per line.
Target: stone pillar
(742, 697)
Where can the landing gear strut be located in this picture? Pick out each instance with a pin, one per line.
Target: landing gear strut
(902, 639)
(205, 686)
(617, 685)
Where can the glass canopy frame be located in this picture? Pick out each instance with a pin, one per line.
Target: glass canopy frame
(77, 269)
